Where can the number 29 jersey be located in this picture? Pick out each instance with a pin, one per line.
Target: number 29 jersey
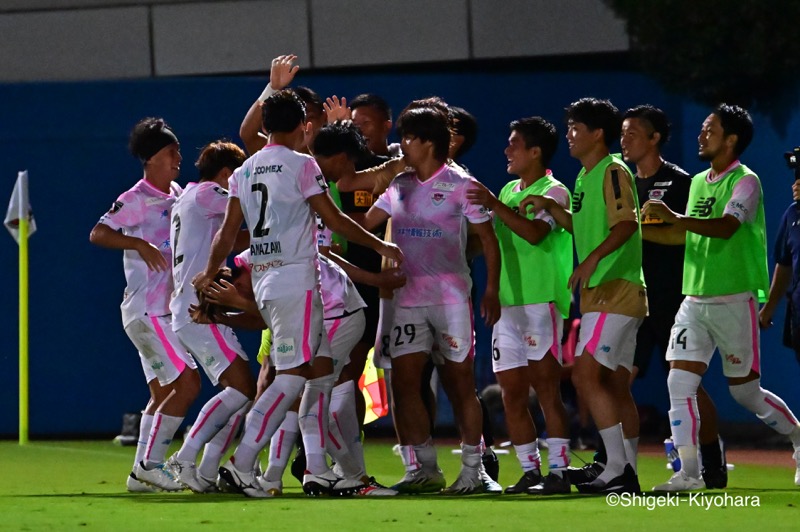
(273, 186)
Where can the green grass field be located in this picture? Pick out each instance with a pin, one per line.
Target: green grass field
(81, 485)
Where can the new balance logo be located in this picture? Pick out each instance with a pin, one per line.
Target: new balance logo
(577, 202)
(702, 209)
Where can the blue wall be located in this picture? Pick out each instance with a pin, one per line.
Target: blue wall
(72, 138)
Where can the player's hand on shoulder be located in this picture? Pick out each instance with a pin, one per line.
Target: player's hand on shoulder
(478, 194)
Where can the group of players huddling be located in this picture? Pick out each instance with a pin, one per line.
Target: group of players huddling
(292, 281)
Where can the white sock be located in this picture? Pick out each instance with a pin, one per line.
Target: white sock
(684, 416)
(144, 432)
(615, 451)
(343, 426)
(528, 456)
(766, 405)
(409, 458)
(689, 460)
(426, 455)
(313, 421)
(212, 418)
(557, 454)
(265, 417)
(219, 444)
(161, 434)
(280, 447)
(471, 455)
(632, 452)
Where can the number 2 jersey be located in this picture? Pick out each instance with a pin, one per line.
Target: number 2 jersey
(144, 212)
(196, 217)
(273, 186)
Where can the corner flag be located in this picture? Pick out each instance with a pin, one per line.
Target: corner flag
(20, 223)
(19, 208)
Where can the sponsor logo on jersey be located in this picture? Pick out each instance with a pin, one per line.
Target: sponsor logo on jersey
(739, 206)
(420, 232)
(210, 360)
(438, 198)
(157, 365)
(529, 340)
(117, 205)
(363, 198)
(265, 248)
(577, 202)
(285, 347)
(260, 268)
(153, 201)
(247, 173)
(662, 184)
(447, 187)
(269, 169)
(702, 209)
(321, 181)
(605, 348)
(657, 193)
(221, 191)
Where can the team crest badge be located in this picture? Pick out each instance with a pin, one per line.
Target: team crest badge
(437, 198)
(656, 194)
(115, 207)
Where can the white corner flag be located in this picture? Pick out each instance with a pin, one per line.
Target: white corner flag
(20, 208)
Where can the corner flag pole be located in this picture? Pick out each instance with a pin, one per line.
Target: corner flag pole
(23, 326)
(20, 223)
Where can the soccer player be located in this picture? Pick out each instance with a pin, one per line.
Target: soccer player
(430, 213)
(536, 261)
(196, 217)
(605, 225)
(724, 277)
(645, 130)
(276, 192)
(138, 223)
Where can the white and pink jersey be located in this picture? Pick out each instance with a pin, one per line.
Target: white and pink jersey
(144, 212)
(196, 217)
(339, 295)
(273, 186)
(429, 223)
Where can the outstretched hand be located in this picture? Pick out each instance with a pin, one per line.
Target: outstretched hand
(336, 109)
(282, 71)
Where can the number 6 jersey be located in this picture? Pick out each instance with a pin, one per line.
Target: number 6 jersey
(272, 187)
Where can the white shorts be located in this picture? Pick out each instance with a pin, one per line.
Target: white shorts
(160, 351)
(416, 329)
(381, 356)
(343, 335)
(214, 347)
(732, 327)
(526, 333)
(296, 324)
(609, 338)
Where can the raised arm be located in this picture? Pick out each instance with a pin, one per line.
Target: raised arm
(282, 72)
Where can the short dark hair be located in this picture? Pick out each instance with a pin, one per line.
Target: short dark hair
(149, 136)
(427, 124)
(737, 121)
(218, 155)
(283, 112)
(465, 125)
(374, 101)
(310, 98)
(537, 132)
(655, 117)
(340, 137)
(597, 114)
